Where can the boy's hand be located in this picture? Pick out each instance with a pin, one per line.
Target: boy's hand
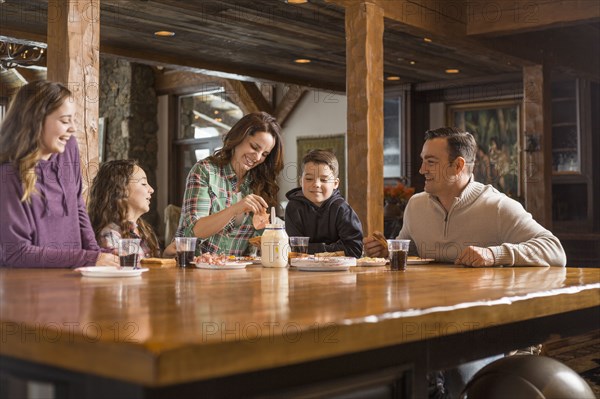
(375, 246)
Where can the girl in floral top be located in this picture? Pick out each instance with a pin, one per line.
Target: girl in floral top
(224, 190)
(119, 196)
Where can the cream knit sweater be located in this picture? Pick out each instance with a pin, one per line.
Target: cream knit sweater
(484, 217)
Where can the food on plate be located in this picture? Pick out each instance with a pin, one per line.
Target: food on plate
(324, 261)
(260, 220)
(329, 254)
(366, 261)
(214, 259)
(255, 241)
(158, 262)
(247, 258)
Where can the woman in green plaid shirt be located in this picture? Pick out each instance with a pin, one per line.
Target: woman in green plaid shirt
(223, 191)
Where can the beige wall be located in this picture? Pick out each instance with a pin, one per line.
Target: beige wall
(319, 113)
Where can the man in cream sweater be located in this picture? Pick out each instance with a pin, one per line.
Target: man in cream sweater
(461, 221)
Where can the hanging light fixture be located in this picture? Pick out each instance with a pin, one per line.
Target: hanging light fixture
(20, 54)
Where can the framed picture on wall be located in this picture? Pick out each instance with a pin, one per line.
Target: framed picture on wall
(497, 129)
(335, 144)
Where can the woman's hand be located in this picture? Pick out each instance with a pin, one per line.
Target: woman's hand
(107, 259)
(250, 203)
(260, 220)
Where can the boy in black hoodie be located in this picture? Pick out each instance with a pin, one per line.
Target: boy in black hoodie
(318, 210)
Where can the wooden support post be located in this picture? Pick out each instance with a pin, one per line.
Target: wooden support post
(364, 81)
(537, 144)
(73, 59)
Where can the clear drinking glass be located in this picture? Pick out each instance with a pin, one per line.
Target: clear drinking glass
(129, 252)
(398, 252)
(186, 249)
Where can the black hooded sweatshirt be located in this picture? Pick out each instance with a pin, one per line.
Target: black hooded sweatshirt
(333, 226)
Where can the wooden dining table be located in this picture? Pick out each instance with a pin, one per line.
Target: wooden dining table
(278, 332)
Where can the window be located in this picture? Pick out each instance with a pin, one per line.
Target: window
(2, 109)
(394, 149)
(203, 119)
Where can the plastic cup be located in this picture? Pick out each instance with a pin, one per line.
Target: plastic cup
(398, 252)
(129, 252)
(186, 249)
(298, 247)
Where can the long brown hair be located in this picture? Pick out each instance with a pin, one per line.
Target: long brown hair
(21, 131)
(264, 176)
(108, 202)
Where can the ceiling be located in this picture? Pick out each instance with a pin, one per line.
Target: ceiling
(259, 40)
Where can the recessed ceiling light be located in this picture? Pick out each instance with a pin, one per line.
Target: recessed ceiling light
(452, 70)
(393, 78)
(427, 40)
(413, 62)
(302, 61)
(164, 33)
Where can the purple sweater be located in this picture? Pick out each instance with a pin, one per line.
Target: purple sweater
(54, 229)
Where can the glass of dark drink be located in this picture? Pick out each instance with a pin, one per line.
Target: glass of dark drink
(186, 250)
(298, 248)
(398, 250)
(129, 252)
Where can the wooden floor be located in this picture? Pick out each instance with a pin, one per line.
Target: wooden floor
(581, 353)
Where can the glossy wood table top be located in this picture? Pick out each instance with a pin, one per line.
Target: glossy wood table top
(176, 325)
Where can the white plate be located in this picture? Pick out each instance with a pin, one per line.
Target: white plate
(381, 262)
(321, 262)
(418, 261)
(252, 260)
(226, 266)
(322, 268)
(109, 271)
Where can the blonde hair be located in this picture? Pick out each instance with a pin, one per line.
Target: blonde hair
(21, 131)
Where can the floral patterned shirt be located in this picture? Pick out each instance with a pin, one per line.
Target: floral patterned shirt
(210, 189)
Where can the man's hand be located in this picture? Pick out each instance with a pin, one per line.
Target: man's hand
(376, 245)
(476, 257)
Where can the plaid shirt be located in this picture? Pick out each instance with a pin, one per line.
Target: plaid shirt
(210, 189)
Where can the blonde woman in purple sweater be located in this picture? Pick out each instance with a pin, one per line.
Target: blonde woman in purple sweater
(43, 219)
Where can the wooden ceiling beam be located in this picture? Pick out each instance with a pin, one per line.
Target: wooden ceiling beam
(28, 75)
(182, 82)
(444, 22)
(511, 17)
(23, 36)
(249, 95)
(288, 103)
(566, 49)
(437, 18)
(226, 71)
